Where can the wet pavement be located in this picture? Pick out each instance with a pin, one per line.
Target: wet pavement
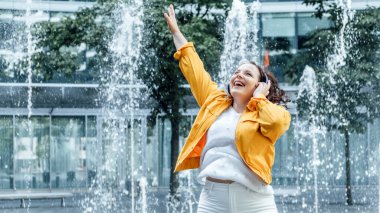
(157, 203)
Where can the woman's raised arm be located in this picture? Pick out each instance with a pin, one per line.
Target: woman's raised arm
(178, 38)
(191, 65)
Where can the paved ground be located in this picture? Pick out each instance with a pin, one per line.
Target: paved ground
(158, 204)
(282, 208)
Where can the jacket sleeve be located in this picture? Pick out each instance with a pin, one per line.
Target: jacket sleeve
(274, 120)
(192, 68)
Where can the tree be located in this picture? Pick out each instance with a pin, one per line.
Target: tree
(349, 97)
(62, 45)
(201, 24)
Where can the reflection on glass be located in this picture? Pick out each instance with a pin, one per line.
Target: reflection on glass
(152, 155)
(279, 40)
(135, 161)
(284, 168)
(6, 152)
(359, 163)
(164, 137)
(306, 23)
(123, 150)
(278, 24)
(92, 150)
(68, 152)
(374, 157)
(31, 156)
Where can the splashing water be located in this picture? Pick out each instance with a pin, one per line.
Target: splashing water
(341, 44)
(253, 50)
(29, 54)
(240, 38)
(30, 50)
(235, 40)
(120, 100)
(309, 127)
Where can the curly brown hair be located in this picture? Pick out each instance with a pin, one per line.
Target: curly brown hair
(276, 95)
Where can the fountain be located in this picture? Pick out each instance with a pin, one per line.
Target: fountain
(240, 38)
(315, 125)
(235, 40)
(30, 51)
(120, 99)
(253, 32)
(309, 130)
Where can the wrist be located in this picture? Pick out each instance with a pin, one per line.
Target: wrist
(256, 94)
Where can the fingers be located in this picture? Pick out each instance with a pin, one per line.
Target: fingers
(264, 88)
(171, 20)
(171, 11)
(167, 18)
(170, 15)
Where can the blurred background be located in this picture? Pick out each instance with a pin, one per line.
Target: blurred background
(92, 102)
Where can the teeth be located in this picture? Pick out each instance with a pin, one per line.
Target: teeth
(238, 84)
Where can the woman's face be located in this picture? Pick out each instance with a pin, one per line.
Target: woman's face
(244, 82)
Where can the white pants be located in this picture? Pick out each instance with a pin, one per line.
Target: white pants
(234, 198)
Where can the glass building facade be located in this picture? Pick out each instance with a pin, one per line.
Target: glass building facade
(62, 151)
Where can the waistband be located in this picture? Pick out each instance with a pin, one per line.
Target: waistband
(215, 180)
(225, 186)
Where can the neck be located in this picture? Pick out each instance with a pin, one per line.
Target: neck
(239, 106)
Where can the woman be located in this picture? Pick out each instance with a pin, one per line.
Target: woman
(232, 139)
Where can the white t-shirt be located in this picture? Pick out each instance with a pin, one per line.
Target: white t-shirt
(220, 158)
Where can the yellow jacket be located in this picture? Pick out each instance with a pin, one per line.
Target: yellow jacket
(258, 129)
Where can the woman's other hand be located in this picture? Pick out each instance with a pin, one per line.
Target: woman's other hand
(178, 38)
(262, 88)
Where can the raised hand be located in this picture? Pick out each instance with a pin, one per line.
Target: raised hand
(178, 38)
(171, 20)
(262, 88)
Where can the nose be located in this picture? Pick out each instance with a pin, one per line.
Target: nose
(238, 75)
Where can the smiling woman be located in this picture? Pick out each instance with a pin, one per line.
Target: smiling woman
(251, 70)
(232, 139)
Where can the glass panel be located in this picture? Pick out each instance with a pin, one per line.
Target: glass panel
(151, 155)
(164, 136)
(32, 169)
(359, 159)
(306, 24)
(12, 40)
(124, 149)
(278, 25)
(6, 152)
(285, 166)
(135, 159)
(92, 149)
(68, 152)
(339, 165)
(374, 150)
(278, 34)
